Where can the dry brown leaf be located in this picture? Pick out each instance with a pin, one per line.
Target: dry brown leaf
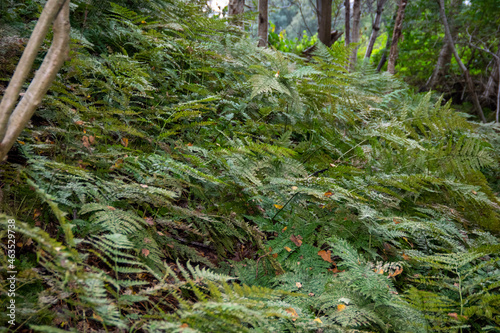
(145, 252)
(124, 142)
(288, 249)
(398, 271)
(292, 312)
(326, 255)
(298, 285)
(297, 240)
(85, 141)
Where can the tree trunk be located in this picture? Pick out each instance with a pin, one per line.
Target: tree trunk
(468, 79)
(263, 23)
(383, 59)
(497, 118)
(356, 17)
(347, 6)
(446, 52)
(324, 21)
(490, 85)
(375, 28)
(396, 34)
(12, 123)
(236, 7)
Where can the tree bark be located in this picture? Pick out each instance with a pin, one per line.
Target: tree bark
(12, 124)
(396, 35)
(347, 6)
(324, 21)
(383, 59)
(356, 18)
(446, 52)
(490, 85)
(263, 23)
(465, 71)
(375, 28)
(236, 7)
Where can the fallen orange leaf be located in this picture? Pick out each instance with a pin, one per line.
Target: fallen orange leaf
(125, 142)
(288, 249)
(326, 255)
(396, 272)
(341, 307)
(328, 194)
(278, 206)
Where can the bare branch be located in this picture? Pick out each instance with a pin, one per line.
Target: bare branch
(42, 81)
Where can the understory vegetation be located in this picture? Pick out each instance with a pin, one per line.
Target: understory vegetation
(179, 179)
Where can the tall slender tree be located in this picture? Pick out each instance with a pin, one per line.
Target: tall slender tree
(446, 52)
(324, 8)
(356, 18)
(347, 6)
(465, 71)
(263, 23)
(396, 34)
(375, 28)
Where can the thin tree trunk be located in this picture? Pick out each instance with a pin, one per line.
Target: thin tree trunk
(497, 58)
(446, 52)
(263, 23)
(383, 59)
(396, 34)
(324, 21)
(356, 17)
(468, 79)
(347, 6)
(12, 124)
(375, 28)
(490, 86)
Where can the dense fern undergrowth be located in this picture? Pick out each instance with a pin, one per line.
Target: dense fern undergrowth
(179, 179)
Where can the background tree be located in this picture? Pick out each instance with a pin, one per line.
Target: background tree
(398, 27)
(236, 7)
(375, 28)
(347, 19)
(324, 9)
(446, 53)
(263, 25)
(356, 18)
(465, 71)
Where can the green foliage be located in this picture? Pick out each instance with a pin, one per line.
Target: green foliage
(282, 43)
(308, 197)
